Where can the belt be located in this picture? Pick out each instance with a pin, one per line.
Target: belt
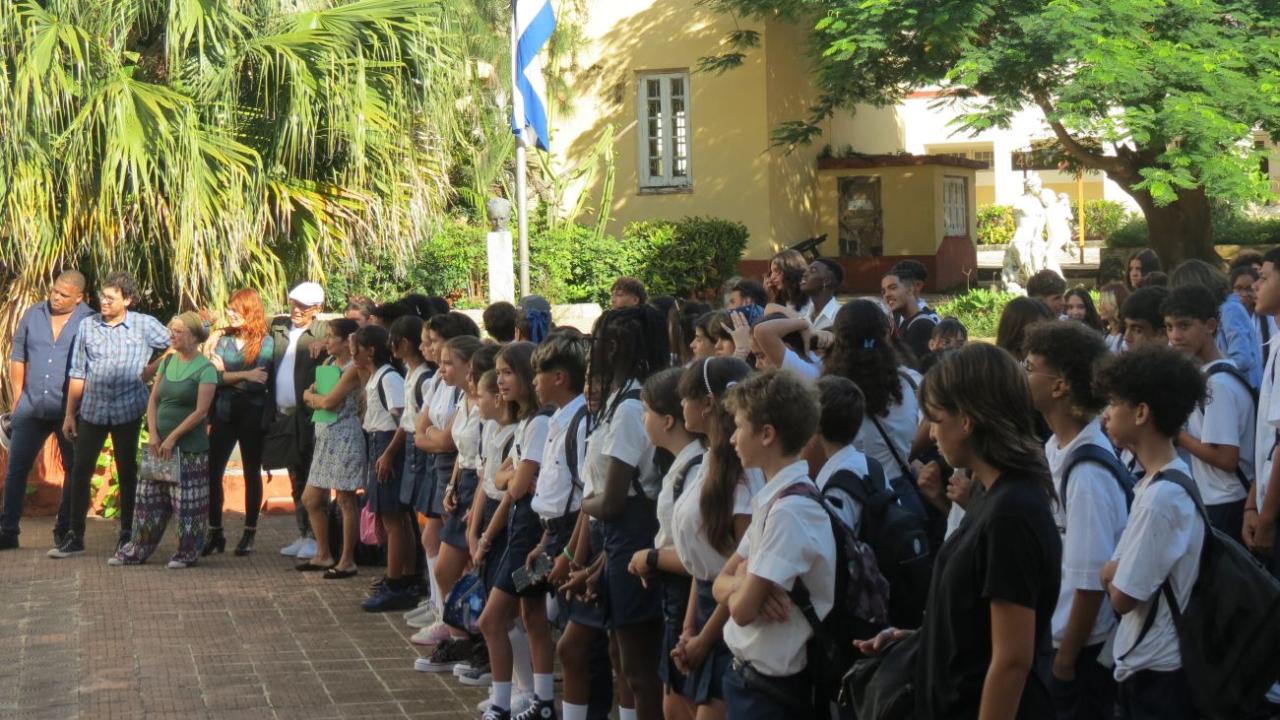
(554, 525)
(767, 685)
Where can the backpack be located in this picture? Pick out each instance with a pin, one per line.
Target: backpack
(1221, 368)
(860, 610)
(1108, 459)
(1229, 631)
(898, 537)
(571, 451)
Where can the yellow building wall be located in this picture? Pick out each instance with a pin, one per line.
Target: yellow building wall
(793, 208)
(911, 203)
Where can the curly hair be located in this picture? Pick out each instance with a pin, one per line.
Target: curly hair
(1165, 380)
(1073, 350)
(863, 354)
(791, 265)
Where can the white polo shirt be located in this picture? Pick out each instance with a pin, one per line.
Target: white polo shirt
(788, 540)
(1163, 540)
(495, 442)
(826, 317)
(900, 425)
(444, 400)
(1266, 426)
(409, 418)
(621, 435)
(466, 435)
(666, 497)
(1091, 524)
(807, 368)
(1227, 418)
(688, 533)
(555, 489)
(377, 417)
(847, 509)
(531, 439)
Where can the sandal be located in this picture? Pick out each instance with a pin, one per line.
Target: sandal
(311, 567)
(334, 573)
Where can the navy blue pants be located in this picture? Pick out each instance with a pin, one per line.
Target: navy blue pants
(1091, 695)
(26, 440)
(1151, 695)
(743, 702)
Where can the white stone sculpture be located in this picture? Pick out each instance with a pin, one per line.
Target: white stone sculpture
(1028, 251)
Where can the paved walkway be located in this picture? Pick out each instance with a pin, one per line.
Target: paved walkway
(232, 638)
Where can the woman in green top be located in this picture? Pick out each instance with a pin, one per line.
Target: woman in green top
(176, 419)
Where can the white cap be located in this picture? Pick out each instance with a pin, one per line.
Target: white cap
(308, 293)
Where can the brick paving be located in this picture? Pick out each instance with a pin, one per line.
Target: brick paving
(232, 638)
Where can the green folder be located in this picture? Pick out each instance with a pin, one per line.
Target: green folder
(327, 377)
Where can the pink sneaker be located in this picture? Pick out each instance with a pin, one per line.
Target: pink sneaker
(433, 635)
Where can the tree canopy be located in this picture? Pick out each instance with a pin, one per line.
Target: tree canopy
(1174, 88)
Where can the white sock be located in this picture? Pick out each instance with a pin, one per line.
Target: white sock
(544, 686)
(437, 602)
(569, 711)
(521, 660)
(623, 714)
(500, 694)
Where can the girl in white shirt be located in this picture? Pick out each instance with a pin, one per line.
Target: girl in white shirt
(779, 341)
(708, 522)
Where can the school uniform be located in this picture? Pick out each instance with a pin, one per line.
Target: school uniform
(675, 586)
(789, 539)
(847, 509)
(1266, 434)
(806, 367)
(621, 436)
(417, 464)
(1162, 541)
(1226, 418)
(523, 530)
(496, 444)
(443, 405)
(704, 564)
(383, 396)
(1091, 516)
(899, 427)
(557, 497)
(465, 429)
(822, 319)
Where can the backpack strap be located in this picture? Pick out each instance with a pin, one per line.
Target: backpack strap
(799, 594)
(583, 415)
(382, 392)
(1226, 368)
(632, 394)
(893, 449)
(1098, 455)
(677, 488)
(419, 395)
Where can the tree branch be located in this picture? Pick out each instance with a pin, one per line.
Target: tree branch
(1086, 155)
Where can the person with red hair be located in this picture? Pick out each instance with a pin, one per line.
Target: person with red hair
(242, 352)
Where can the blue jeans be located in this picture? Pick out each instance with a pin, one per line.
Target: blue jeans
(25, 444)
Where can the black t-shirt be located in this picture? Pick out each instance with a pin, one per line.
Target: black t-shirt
(1007, 548)
(916, 332)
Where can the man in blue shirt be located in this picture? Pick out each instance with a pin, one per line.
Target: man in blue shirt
(38, 364)
(107, 395)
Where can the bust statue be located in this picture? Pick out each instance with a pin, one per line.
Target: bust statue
(499, 211)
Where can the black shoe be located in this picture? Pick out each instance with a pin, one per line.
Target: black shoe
(245, 546)
(214, 542)
(70, 547)
(125, 537)
(8, 541)
(59, 537)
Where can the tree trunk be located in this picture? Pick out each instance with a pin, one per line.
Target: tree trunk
(1180, 230)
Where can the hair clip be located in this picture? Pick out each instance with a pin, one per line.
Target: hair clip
(869, 343)
(730, 384)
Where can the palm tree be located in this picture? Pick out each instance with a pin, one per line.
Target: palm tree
(207, 144)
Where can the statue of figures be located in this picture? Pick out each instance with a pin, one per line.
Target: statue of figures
(1058, 224)
(1027, 253)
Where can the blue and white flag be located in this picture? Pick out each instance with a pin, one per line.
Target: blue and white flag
(535, 20)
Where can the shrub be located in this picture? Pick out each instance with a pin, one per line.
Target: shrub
(1103, 218)
(996, 224)
(1228, 229)
(571, 264)
(688, 257)
(978, 309)
(1130, 235)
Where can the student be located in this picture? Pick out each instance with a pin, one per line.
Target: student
(995, 580)
(1220, 433)
(1091, 512)
(1262, 507)
(1141, 264)
(747, 292)
(1020, 314)
(843, 408)
(821, 282)
(515, 386)
(1079, 307)
(383, 402)
(786, 270)
(627, 292)
(664, 423)
(623, 481)
(948, 334)
(913, 321)
(862, 353)
(703, 344)
(1152, 391)
(1238, 338)
(1111, 298)
(1143, 321)
(778, 341)
(500, 320)
(1244, 280)
(1048, 287)
(708, 521)
(788, 541)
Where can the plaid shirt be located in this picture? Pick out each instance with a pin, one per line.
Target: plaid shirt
(110, 359)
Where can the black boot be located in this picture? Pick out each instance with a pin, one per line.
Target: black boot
(245, 546)
(214, 542)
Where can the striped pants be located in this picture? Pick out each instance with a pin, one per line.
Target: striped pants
(157, 502)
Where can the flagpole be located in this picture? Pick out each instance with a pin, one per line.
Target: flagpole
(522, 179)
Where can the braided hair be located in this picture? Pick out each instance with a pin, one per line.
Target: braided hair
(628, 344)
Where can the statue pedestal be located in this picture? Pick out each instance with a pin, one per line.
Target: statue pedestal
(502, 276)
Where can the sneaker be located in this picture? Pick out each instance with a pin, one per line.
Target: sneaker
(8, 541)
(59, 537)
(70, 547)
(539, 710)
(424, 608)
(114, 561)
(291, 550)
(123, 539)
(178, 565)
(520, 700)
(308, 549)
(387, 600)
(493, 713)
(462, 668)
(445, 656)
(425, 617)
(434, 635)
(477, 676)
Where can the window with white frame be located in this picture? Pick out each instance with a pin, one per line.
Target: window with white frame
(955, 206)
(664, 130)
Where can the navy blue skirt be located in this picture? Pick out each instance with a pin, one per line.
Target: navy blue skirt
(627, 601)
(454, 532)
(416, 466)
(675, 600)
(384, 495)
(584, 614)
(704, 684)
(493, 558)
(436, 484)
(523, 534)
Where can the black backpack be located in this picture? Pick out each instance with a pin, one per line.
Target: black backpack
(860, 610)
(1221, 368)
(1230, 629)
(899, 538)
(1105, 457)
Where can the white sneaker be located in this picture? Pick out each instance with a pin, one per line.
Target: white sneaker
(461, 669)
(114, 561)
(521, 701)
(177, 565)
(291, 550)
(308, 549)
(421, 616)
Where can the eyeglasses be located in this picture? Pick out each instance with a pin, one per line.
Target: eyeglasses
(1031, 369)
(108, 300)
